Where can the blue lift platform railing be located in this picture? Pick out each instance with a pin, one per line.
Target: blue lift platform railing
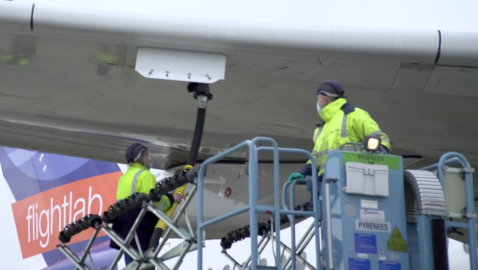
(470, 215)
(318, 218)
(253, 207)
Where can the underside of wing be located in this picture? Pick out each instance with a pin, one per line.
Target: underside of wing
(69, 83)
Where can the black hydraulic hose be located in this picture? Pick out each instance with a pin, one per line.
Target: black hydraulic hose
(198, 131)
(201, 93)
(263, 228)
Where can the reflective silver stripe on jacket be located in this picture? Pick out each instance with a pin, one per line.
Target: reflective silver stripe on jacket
(379, 133)
(161, 203)
(343, 132)
(133, 184)
(319, 155)
(318, 133)
(322, 153)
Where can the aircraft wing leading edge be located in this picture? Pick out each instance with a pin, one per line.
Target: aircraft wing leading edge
(220, 36)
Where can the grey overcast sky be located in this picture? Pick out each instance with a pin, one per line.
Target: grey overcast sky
(457, 15)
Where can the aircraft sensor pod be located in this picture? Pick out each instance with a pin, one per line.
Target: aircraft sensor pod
(186, 66)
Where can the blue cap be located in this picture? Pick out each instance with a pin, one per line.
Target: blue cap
(331, 89)
(134, 151)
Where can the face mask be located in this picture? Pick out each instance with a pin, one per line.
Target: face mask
(318, 108)
(147, 165)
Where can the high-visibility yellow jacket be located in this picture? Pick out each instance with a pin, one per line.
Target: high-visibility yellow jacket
(343, 123)
(138, 179)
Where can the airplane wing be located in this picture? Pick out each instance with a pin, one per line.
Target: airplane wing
(69, 83)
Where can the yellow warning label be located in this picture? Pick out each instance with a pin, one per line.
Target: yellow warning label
(396, 241)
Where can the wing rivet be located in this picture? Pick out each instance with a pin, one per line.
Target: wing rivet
(228, 192)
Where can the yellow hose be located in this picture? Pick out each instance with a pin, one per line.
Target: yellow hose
(180, 190)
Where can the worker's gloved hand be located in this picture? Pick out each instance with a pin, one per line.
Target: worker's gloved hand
(177, 198)
(295, 175)
(384, 150)
(191, 173)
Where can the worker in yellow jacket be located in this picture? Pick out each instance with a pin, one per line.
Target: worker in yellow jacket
(138, 178)
(342, 123)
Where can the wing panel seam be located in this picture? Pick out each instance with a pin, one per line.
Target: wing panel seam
(439, 47)
(31, 17)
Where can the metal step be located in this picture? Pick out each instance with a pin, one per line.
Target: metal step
(262, 267)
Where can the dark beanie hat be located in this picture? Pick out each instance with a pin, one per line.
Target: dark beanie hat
(331, 89)
(134, 151)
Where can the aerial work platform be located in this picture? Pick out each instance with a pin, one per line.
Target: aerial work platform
(371, 214)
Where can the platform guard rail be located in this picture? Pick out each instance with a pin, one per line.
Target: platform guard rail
(253, 207)
(470, 215)
(307, 236)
